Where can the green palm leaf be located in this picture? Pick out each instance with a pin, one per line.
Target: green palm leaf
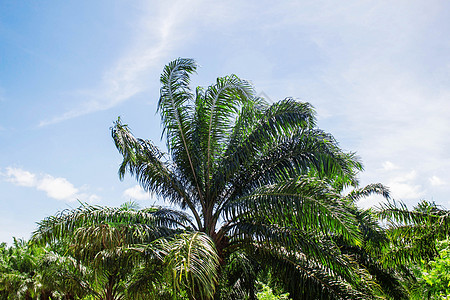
(144, 160)
(192, 260)
(177, 113)
(413, 233)
(145, 224)
(302, 203)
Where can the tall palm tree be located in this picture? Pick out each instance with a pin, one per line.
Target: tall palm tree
(243, 169)
(256, 178)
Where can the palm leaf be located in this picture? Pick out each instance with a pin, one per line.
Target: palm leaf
(143, 160)
(192, 260)
(142, 224)
(413, 233)
(217, 110)
(177, 118)
(304, 203)
(304, 278)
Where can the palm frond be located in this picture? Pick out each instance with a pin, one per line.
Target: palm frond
(143, 223)
(309, 245)
(413, 234)
(257, 129)
(238, 279)
(144, 161)
(148, 281)
(192, 260)
(65, 274)
(304, 153)
(177, 112)
(217, 111)
(303, 203)
(304, 278)
(371, 189)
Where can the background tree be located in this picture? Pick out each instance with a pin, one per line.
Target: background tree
(433, 277)
(101, 238)
(414, 234)
(19, 278)
(418, 246)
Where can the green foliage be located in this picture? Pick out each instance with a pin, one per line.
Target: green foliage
(18, 265)
(439, 269)
(266, 293)
(433, 277)
(191, 260)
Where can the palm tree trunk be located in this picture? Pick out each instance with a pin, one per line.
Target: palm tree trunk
(109, 292)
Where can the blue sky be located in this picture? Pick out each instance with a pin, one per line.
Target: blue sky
(377, 72)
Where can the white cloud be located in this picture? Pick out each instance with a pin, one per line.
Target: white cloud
(91, 198)
(404, 190)
(436, 181)
(20, 177)
(406, 177)
(136, 193)
(55, 187)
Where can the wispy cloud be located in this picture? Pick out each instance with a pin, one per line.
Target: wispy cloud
(382, 82)
(158, 32)
(136, 193)
(58, 188)
(376, 72)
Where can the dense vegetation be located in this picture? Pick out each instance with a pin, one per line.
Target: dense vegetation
(263, 206)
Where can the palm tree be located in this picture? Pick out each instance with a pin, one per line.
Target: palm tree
(19, 278)
(413, 234)
(256, 178)
(66, 277)
(97, 261)
(243, 169)
(370, 253)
